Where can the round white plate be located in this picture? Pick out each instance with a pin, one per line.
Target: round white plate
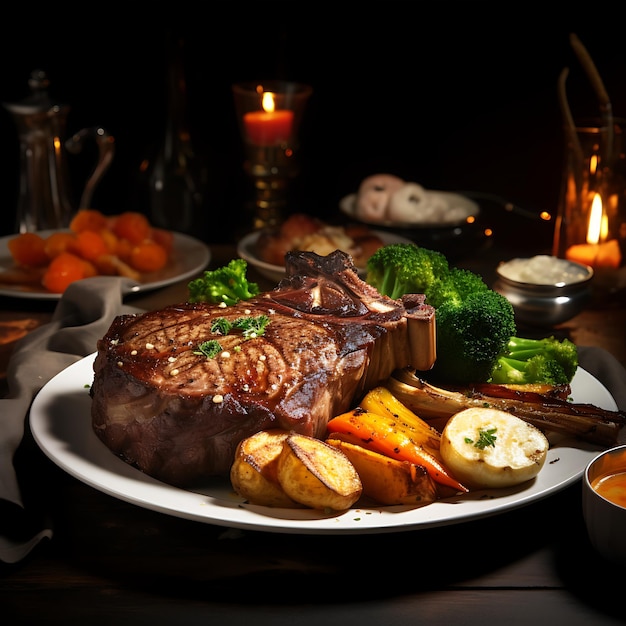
(188, 258)
(60, 420)
(246, 249)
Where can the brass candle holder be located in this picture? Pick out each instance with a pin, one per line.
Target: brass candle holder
(269, 115)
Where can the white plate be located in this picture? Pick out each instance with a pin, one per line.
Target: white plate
(448, 198)
(246, 249)
(189, 257)
(60, 421)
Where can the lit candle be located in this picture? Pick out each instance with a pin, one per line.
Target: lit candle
(268, 127)
(605, 254)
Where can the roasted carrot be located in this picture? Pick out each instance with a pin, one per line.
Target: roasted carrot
(382, 402)
(89, 245)
(148, 256)
(383, 434)
(28, 250)
(132, 225)
(88, 219)
(63, 270)
(58, 242)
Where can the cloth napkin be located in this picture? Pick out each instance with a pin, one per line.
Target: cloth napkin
(83, 316)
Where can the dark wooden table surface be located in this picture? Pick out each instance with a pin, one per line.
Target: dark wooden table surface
(110, 561)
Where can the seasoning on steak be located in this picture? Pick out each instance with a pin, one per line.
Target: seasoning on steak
(176, 414)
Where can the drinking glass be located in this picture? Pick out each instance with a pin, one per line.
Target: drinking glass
(591, 221)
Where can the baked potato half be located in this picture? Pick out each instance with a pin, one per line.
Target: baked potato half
(492, 448)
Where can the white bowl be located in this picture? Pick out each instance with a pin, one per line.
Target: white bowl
(246, 249)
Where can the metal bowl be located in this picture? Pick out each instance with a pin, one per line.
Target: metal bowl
(546, 303)
(605, 518)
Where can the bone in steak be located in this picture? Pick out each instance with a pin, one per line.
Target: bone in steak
(178, 415)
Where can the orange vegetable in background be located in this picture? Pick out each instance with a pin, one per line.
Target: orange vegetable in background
(148, 257)
(89, 245)
(88, 219)
(28, 250)
(132, 226)
(57, 243)
(63, 270)
(123, 248)
(110, 239)
(95, 244)
(89, 269)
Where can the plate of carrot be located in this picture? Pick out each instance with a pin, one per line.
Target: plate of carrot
(42, 264)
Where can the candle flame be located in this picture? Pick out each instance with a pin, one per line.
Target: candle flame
(268, 102)
(598, 222)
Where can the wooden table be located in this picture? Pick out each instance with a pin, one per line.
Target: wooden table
(113, 562)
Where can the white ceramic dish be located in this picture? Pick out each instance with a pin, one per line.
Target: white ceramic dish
(447, 198)
(246, 249)
(61, 425)
(189, 257)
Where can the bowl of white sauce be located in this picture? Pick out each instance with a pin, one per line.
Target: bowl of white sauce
(544, 290)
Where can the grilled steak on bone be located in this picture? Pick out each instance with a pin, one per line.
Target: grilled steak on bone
(178, 416)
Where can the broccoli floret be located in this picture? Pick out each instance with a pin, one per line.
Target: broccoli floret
(400, 268)
(472, 333)
(475, 326)
(547, 361)
(454, 286)
(228, 284)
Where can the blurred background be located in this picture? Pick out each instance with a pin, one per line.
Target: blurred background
(457, 96)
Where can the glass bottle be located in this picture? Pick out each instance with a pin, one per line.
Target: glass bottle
(177, 177)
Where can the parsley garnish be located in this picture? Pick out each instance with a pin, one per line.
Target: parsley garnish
(221, 326)
(249, 326)
(252, 326)
(486, 438)
(209, 348)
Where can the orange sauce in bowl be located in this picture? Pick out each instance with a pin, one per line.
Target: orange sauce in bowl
(612, 487)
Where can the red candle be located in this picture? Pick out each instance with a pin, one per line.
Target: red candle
(268, 127)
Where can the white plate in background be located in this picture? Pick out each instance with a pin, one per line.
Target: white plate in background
(247, 250)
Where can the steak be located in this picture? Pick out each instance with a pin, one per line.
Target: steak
(177, 414)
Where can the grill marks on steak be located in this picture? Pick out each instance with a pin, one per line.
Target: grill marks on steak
(178, 415)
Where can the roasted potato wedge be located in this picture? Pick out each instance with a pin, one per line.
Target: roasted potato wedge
(254, 472)
(492, 448)
(317, 475)
(387, 480)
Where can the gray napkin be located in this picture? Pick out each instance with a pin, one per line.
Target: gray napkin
(83, 316)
